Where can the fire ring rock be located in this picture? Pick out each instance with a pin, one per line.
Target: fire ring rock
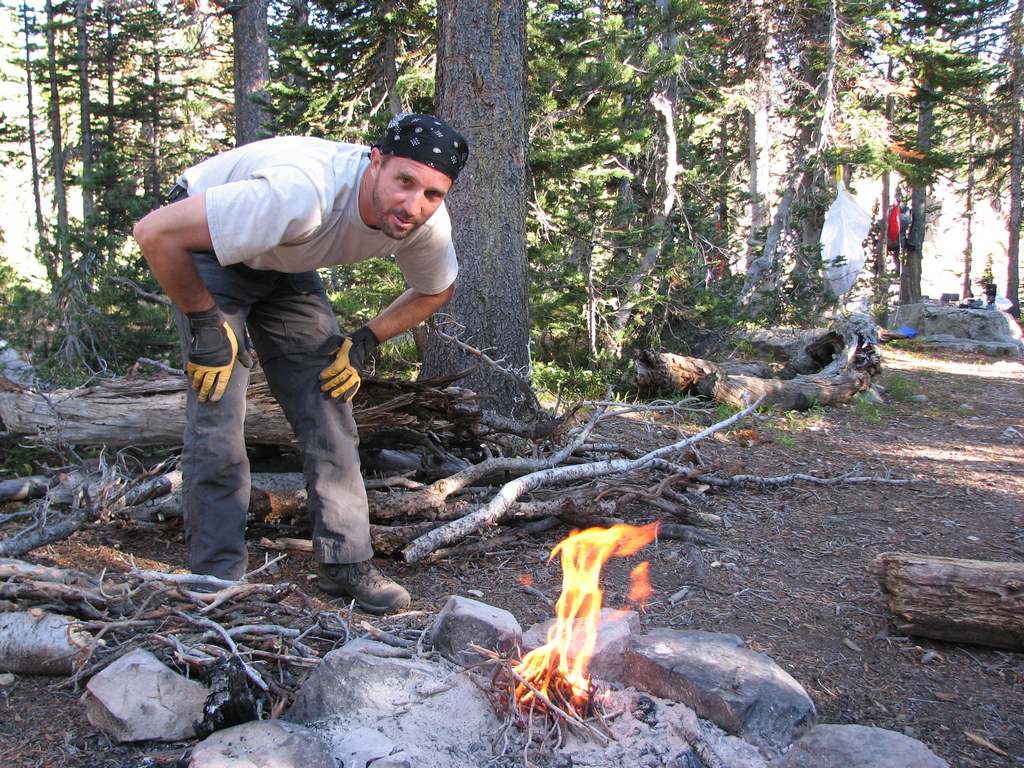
(463, 622)
(262, 744)
(858, 746)
(137, 698)
(743, 692)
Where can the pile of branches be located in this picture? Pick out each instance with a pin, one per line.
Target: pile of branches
(272, 633)
(569, 478)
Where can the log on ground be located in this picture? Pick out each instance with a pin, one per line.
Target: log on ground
(960, 601)
(666, 372)
(150, 410)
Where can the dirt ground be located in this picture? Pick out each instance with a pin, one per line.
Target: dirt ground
(791, 575)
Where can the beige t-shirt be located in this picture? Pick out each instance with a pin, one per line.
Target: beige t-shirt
(291, 204)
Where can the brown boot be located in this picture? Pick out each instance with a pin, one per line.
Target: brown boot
(372, 590)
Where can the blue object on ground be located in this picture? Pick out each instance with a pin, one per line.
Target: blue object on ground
(907, 331)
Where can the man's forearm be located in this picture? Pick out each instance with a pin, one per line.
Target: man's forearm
(407, 311)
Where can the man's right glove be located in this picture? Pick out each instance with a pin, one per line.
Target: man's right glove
(212, 352)
(342, 377)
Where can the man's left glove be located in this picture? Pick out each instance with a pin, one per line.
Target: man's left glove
(342, 377)
(212, 352)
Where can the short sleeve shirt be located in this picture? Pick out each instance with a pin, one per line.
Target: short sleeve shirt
(291, 204)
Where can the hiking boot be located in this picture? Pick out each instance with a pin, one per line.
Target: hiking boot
(372, 590)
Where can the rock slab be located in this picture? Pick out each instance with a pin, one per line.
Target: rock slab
(352, 678)
(137, 698)
(858, 746)
(464, 622)
(263, 744)
(743, 692)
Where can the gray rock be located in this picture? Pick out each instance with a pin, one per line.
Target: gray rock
(350, 679)
(858, 746)
(954, 326)
(464, 621)
(362, 747)
(872, 395)
(263, 744)
(743, 692)
(138, 698)
(614, 636)
(919, 398)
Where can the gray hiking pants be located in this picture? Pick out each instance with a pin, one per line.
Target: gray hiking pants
(289, 319)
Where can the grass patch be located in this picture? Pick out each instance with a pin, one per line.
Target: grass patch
(898, 387)
(786, 441)
(867, 410)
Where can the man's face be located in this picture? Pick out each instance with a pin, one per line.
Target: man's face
(403, 194)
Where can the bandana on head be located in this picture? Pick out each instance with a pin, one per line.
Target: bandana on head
(425, 139)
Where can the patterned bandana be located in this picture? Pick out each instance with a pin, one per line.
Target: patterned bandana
(425, 139)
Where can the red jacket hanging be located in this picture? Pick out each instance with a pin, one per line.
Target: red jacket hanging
(893, 232)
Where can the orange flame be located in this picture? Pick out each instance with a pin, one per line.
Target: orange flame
(573, 637)
(640, 584)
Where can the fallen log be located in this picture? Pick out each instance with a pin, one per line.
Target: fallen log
(824, 368)
(960, 601)
(666, 372)
(150, 410)
(22, 488)
(39, 643)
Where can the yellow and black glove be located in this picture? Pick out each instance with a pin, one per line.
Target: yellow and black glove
(342, 377)
(212, 352)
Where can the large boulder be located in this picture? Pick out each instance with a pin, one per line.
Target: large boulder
(138, 698)
(858, 746)
(985, 330)
(743, 692)
(263, 744)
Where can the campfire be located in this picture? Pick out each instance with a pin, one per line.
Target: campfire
(552, 682)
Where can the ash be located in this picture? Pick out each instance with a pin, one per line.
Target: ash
(444, 719)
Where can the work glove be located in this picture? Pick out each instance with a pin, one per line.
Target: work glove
(212, 352)
(342, 377)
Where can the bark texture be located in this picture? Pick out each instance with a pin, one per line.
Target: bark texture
(151, 411)
(1016, 158)
(961, 601)
(252, 70)
(481, 91)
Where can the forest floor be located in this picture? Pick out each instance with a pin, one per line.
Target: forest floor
(792, 575)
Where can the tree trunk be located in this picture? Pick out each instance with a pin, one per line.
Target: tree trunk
(60, 193)
(85, 104)
(960, 601)
(42, 250)
(481, 91)
(252, 70)
(664, 101)
(1016, 159)
(390, 54)
(760, 275)
(910, 275)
